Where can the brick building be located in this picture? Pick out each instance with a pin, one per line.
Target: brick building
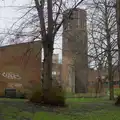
(92, 74)
(20, 65)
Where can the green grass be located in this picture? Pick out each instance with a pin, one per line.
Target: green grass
(89, 109)
(102, 115)
(9, 99)
(117, 91)
(91, 93)
(14, 113)
(78, 109)
(49, 116)
(85, 100)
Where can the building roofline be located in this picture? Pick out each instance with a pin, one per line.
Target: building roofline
(76, 9)
(23, 43)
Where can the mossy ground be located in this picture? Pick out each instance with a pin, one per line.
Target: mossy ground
(78, 109)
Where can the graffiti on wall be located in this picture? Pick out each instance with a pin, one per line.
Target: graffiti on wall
(11, 75)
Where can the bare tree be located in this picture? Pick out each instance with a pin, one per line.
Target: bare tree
(48, 33)
(42, 20)
(103, 36)
(118, 30)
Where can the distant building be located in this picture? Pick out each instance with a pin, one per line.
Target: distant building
(74, 54)
(93, 74)
(55, 58)
(56, 68)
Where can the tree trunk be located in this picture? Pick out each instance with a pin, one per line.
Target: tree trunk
(47, 65)
(109, 54)
(110, 68)
(118, 39)
(110, 78)
(48, 50)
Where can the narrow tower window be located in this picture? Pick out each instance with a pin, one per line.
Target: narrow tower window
(78, 20)
(68, 27)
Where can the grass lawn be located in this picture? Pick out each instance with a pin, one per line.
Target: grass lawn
(86, 100)
(9, 99)
(78, 109)
(117, 91)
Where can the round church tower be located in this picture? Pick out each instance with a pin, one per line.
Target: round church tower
(75, 48)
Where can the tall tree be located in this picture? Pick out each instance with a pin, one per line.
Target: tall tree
(118, 30)
(49, 30)
(103, 36)
(42, 20)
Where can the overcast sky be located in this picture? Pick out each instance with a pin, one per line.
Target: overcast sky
(9, 14)
(8, 11)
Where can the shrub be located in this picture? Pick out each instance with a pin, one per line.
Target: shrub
(54, 96)
(28, 93)
(117, 91)
(36, 97)
(20, 95)
(36, 94)
(117, 100)
(23, 96)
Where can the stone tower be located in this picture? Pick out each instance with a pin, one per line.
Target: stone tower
(75, 60)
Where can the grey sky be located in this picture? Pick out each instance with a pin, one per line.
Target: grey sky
(9, 14)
